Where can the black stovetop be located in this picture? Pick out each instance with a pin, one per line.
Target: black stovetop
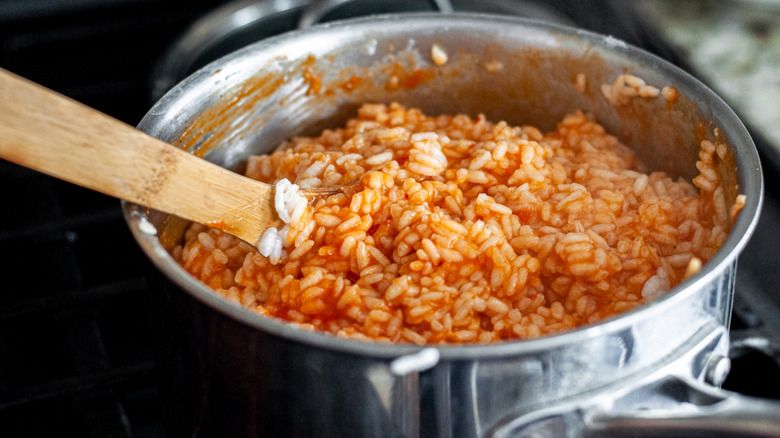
(75, 333)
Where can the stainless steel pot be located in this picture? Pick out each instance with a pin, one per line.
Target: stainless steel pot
(230, 372)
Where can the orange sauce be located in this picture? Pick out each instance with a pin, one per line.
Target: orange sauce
(217, 225)
(350, 84)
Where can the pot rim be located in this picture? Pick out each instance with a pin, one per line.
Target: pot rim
(748, 163)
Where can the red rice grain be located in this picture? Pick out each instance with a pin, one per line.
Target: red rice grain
(462, 230)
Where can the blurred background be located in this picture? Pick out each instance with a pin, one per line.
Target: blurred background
(734, 47)
(75, 332)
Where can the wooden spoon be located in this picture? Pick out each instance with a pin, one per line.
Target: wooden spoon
(55, 135)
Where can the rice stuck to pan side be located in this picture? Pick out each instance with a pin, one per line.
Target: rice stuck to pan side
(462, 230)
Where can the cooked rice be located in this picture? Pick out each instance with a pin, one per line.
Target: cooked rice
(271, 244)
(463, 230)
(438, 55)
(625, 87)
(290, 204)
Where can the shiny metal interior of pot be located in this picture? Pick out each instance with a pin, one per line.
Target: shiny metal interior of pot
(507, 69)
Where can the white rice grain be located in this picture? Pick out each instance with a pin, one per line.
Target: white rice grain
(656, 284)
(270, 245)
(289, 203)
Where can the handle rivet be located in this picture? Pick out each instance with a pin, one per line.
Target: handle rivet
(717, 369)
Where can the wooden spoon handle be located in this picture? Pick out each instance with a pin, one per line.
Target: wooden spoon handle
(55, 135)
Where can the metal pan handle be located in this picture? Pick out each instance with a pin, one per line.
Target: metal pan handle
(682, 408)
(704, 411)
